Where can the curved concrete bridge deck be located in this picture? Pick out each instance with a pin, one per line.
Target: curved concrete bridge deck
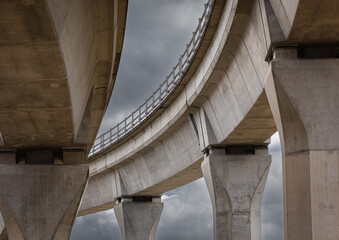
(226, 93)
(266, 66)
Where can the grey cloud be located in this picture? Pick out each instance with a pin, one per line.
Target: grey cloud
(100, 226)
(157, 32)
(187, 214)
(272, 206)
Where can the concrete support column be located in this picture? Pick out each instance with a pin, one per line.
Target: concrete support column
(304, 98)
(40, 202)
(138, 217)
(3, 231)
(236, 184)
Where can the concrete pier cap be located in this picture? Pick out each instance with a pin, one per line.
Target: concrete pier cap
(138, 217)
(40, 192)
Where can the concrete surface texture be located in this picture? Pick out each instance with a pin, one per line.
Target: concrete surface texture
(58, 68)
(57, 59)
(236, 185)
(304, 98)
(138, 220)
(40, 202)
(3, 230)
(228, 86)
(58, 62)
(235, 97)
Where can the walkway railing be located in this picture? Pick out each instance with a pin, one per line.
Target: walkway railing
(136, 118)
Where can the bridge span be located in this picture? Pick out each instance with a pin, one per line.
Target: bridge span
(252, 68)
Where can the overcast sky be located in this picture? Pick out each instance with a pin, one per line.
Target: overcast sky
(156, 34)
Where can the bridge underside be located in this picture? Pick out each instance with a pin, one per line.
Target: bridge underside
(58, 65)
(35, 105)
(55, 86)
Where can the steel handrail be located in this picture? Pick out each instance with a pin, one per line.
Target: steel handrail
(137, 117)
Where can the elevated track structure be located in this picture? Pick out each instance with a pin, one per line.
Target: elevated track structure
(252, 67)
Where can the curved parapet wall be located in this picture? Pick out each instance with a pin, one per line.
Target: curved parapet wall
(223, 103)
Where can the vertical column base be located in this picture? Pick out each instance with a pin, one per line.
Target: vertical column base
(3, 230)
(236, 185)
(40, 202)
(138, 220)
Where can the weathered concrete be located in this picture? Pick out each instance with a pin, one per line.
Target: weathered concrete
(40, 202)
(304, 98)
(4, 235)
(227, 100)
(56, 59)
(236, 184)
(228, 87)
(3, 230)
(138, 220)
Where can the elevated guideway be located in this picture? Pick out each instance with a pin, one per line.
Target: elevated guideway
(226, 89)
(260, 67)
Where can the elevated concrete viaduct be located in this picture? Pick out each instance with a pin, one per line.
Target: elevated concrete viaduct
(58, 64)
(261, 66)
(252, 67)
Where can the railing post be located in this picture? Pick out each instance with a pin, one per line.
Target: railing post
(110, 136)
(167, 84)
(180, 65)
(188, 51)
(102, 142)
(160, 93)
(199, 25)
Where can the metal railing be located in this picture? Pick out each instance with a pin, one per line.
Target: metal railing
(137, 117)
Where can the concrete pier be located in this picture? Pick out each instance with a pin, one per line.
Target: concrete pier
(138, 217)
(304, 98)
(3, 230)
(40, 202)
(236, 184)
